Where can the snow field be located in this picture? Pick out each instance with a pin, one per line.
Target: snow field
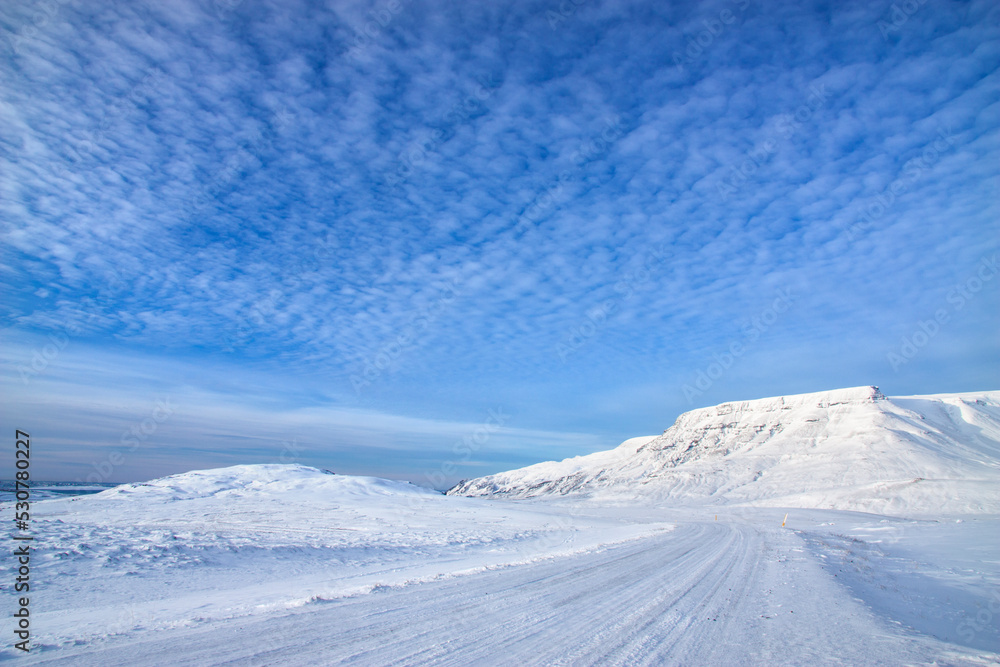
(193, 549)
(832, 587)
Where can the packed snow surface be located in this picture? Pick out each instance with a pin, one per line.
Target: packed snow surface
(290, 565)
(849, 449)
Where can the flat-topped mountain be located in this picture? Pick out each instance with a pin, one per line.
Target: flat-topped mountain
(844, 449)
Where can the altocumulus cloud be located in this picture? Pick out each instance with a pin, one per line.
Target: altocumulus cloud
(285, 188)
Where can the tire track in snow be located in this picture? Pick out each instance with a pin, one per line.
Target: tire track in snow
(694, 595)
(610, 606)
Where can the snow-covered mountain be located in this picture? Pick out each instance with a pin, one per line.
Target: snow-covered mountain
(845, 449)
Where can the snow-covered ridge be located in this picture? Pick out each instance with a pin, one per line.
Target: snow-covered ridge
(259, 480)
(844, 449)
(821, 399)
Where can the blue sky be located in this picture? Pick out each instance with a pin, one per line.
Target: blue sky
(431, 241)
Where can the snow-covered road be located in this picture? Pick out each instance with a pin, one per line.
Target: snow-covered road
(740, 590)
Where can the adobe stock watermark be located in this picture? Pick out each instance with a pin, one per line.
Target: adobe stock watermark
(223, 9)
(132, 617)
(133, 438)
(957, 299)
(714, 27)
(236, 165)
(721, 363)
(588, 150)
(41, 16)
(876, 207)
(468, 445)
(42, 356)
(419, 151)
(290, 451)
(787, 125)
(123, 104)
(595, 318)
(561, 12)
(390, 351)
(321, 250)
(983, 620)
(899, 14)
(46, 354)
(379, 20)
(258, 314)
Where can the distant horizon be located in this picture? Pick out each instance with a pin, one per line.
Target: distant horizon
(425, 482)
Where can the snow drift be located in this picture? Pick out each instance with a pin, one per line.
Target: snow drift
(849, 449)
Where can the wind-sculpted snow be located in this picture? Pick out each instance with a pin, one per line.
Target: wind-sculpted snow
(232, 543)
(732, 588)
(846, 449)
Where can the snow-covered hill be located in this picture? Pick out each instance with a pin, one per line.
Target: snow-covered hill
(209, 546)
(844, 449)
(285, 481)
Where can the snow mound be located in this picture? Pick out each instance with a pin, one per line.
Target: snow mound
(849, 449)
(271, 479)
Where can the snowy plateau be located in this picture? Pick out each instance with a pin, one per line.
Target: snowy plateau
(840, 527)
